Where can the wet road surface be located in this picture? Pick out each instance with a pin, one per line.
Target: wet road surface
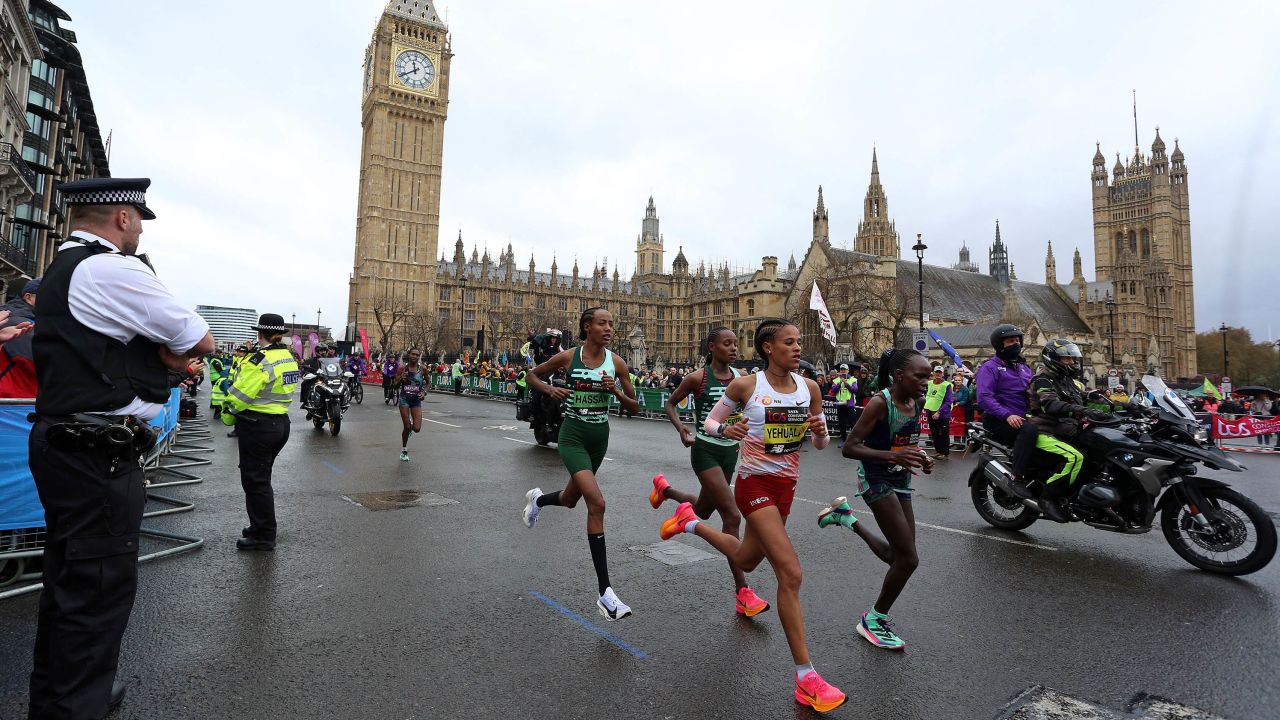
(451, 608)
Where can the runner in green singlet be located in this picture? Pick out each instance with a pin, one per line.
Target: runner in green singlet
(714, 459)
(595, 376)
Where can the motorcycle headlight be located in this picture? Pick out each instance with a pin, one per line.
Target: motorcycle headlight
(1202, 436)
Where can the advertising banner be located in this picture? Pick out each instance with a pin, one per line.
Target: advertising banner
(1244, 426)
(364, 344)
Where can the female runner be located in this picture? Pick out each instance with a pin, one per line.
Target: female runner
(713, 458)
(884, 439)
(595, 376)
(778, 407)
(410, 380)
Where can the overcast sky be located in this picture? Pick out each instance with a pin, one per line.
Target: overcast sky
(565, 116)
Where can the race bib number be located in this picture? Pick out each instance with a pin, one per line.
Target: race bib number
(784, 429)
(291, 377)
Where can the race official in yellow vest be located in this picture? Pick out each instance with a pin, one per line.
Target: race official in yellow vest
(937, 405)
(258, 403)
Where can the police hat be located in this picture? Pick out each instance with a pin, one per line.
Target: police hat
(109, 191)
(270, 322)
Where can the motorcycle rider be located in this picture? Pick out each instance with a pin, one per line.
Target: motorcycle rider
(1002, 383)
(1056, 405)
(311, 366)
(390, 367)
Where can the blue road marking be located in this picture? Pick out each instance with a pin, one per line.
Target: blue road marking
(336, 470)
(590, 626)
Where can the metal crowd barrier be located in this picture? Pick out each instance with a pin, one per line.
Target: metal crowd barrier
(652, 401)
(178, 447)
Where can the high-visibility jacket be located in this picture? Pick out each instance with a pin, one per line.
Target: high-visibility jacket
(520, 379)
(846, 387)
(217, 373)
(264, 384)
(935, 394)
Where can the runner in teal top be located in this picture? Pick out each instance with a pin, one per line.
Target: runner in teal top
(596, 377)
(713, 458)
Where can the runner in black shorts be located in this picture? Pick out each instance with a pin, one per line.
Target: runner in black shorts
(714, 459)
(596, 377)
(411, 383)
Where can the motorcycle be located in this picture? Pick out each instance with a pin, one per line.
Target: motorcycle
(1142, 463)
(330, 395)
(543, 412)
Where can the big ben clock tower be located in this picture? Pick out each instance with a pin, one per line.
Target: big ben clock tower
(405, 103)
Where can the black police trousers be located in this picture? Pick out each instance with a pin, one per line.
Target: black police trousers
(92, 516)
(261, 438)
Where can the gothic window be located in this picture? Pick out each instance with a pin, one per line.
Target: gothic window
(733, 304)
(1133, 241)
(469, 319)
(444, 314)
(495, 298)
(1146, 243)
(562, 303)
(751, 308)
(541, 303)
(662, 312)
(471, 297)
(445, 293)
(875, 208)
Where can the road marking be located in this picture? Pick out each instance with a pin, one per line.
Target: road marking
(499, 427)
(336, 470)
(441, 423)
(950, 530)
(526, 442)
(590, 626)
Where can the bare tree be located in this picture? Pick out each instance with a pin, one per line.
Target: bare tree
(427, 332)
(868, 309)
(389, 312)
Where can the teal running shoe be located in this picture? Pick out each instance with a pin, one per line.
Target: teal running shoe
(878, 632)
(837, 513)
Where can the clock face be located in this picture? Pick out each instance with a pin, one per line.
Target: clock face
(415, 70)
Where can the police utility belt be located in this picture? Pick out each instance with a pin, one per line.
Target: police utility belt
(116, 437)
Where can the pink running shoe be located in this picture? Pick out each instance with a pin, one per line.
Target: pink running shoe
(818, 693)
(749, 603)
(658, 496)
(675, 524)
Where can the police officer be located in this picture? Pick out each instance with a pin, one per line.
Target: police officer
(258, 403)
(107, 334)
(218, 373)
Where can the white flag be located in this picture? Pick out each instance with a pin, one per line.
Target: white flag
(817, 303)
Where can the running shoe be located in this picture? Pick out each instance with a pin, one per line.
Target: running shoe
(880, 633)
(404, 455)
(817, 693)
(837, 513)
(658, 496)
(611, 607)
(531, 508)
(749, 603)
(675, 524)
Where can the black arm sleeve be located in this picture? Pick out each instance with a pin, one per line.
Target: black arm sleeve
(1052, 402)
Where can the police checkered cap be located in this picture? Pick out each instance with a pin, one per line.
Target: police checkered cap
(109, 191)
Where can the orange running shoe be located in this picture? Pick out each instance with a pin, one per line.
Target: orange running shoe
(749, 603)
(675, 524)
(818, 693)
(658, 496)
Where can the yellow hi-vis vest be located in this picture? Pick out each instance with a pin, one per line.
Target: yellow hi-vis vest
(264, 383)
(935, 394)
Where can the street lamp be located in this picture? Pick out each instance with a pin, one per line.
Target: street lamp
(1226, 357)
(920, 247)
(293, 323)
(1111, 310)
(317, 322)
(462, 311)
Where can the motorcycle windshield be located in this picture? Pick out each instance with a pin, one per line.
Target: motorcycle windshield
(1167, 399)
(330, 368)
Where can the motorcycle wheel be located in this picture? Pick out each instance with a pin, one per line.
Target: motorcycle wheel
(318, 423)
(541, 434)
(335, 426)
(998, 508)
(1228, 550)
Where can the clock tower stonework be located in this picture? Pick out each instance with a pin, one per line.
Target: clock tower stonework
(405, 103)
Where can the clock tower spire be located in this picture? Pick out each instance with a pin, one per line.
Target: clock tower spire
(405, 102)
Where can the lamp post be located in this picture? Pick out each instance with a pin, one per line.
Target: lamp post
(920, 247)
(1111, 310)
(1226, 357)
(462, 311)
(317, 322)
(293, 324)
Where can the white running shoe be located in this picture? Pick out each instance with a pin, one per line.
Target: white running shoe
(611, 607)
(404, 455)
(531, 508)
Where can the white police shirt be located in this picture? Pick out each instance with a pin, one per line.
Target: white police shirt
(120, 297)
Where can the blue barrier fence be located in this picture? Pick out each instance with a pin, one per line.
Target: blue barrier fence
(20, 506)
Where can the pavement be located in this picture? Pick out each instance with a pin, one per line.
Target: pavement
(444, 605)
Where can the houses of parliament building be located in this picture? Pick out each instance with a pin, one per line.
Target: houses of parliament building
(405, 291)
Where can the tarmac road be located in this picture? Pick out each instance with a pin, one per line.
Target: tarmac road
(451, 608)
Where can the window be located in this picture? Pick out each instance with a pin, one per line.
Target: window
(734, 305)
(471, 297)
(562, 303)
(662, 312)
(517, 300)
(495, 298)
(444, 314)
(469, 319)
(446, 293)
(541, 303)
(751, 307)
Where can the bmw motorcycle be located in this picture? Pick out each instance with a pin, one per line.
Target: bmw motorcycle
(330, 395)
(543, 412)
(1141, 464)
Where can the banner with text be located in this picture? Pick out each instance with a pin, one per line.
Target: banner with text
(1242, 427)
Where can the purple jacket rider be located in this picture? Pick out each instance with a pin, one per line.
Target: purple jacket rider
(1002, 388)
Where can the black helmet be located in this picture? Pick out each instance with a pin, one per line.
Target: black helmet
(807, 369)
(1002, 333)
(1052, 355)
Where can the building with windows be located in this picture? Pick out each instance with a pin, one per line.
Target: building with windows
(19, 47)
(229, 325)
(61, 143)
